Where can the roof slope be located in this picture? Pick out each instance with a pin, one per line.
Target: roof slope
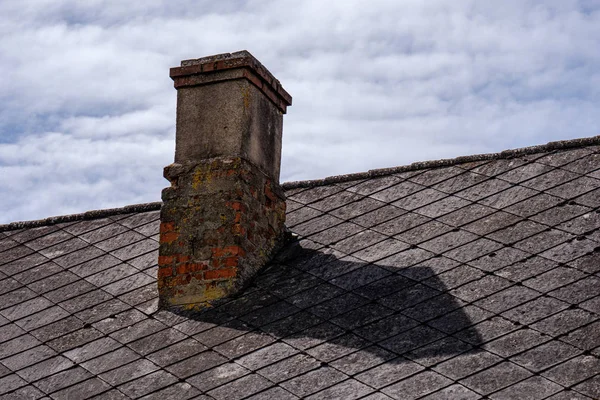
(456, 280)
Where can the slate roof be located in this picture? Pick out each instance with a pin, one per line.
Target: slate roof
(467, 279)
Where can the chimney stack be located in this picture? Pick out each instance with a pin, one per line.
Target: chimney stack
(223, 216)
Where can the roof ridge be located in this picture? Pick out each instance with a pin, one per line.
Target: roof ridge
(557, 145)
(446, 162)
(82, 216)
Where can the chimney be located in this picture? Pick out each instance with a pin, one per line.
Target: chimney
(223, 216)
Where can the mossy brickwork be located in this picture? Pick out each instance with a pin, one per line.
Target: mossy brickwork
(220, 222)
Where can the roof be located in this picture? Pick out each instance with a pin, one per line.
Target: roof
(470, 278)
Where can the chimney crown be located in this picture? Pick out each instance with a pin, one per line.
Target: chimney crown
(197, 71)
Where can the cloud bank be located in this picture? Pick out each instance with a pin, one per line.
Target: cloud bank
(87, 110)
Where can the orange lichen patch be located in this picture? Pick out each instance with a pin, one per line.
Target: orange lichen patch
(238, 206)
(167, 227)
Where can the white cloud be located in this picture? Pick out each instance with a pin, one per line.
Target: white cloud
(87, 110)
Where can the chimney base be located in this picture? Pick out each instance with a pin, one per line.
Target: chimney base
(221, 221)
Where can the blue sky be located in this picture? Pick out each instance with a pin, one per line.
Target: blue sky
(87, 110)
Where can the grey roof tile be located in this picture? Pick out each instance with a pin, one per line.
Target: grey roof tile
(241, 388)
(63, 248)
(506, 299)
(462, 319)
(486, 330)
(373, 185)
(128, 372)
(39, 268)
(529, 267)
(26, 308)
(337, 347)
(515, 342)
(217, 376)
(314, 335)
(43, 237)
(481, 288)
(289, 368)
(508, 197)
(535, 310)
(74, 339)
(492, 223)
(419, 199)
(244, 344)
(483, 189)
(499, 259)
(585, 338)
(533, 388)
(455, 391)
(359, 361)
(101, 311)
(584, 165)
(95, 265)
(180, 390)
(42, 318)
(467, 364)
(63, 379)
(147, 384)
(175, 352)
(315, 194)
(313, 381)
(10, 331)
(93, 349)
(417, 385)
(550, 179)
(10, 382)
(591, 387)
(28, 357)
(495, 378)
(389, 372)
(393, 193)
(350, 389)
(378, 216)
(196, 364)
(87, 388)
(15, 297)
(108, 361)
(45, 368)
(568, 394)
(438, 351)
(524, 172)
(17, 345)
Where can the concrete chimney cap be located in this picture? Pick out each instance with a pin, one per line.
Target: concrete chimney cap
(204, 70)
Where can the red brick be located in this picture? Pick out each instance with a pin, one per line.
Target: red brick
(165, 272)
(165, 260)
(231, 261)
(168, 237)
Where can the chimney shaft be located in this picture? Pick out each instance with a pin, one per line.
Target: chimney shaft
(224, 214)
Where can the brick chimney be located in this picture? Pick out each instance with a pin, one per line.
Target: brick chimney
(223, 216)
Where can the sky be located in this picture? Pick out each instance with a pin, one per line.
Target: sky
(87, 108)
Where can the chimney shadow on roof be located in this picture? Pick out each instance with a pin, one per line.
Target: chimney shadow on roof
(329, 308)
